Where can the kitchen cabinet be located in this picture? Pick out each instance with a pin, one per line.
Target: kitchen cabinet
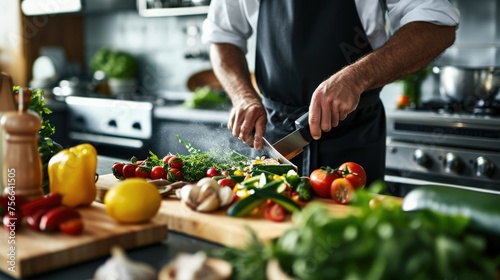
(145, 11)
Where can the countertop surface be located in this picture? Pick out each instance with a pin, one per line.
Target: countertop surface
(156, 255)
(166, 110)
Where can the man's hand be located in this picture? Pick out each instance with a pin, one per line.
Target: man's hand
(411, 48)
(247, 121)
(331, 102)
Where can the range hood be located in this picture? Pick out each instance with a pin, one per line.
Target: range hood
(46, 7)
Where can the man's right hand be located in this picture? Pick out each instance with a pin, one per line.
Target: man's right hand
(247, 121)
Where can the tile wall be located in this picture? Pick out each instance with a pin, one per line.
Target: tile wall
(160, 43)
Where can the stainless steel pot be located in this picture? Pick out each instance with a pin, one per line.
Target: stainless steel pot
(461, 84)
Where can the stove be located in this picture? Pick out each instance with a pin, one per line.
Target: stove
(444, 144)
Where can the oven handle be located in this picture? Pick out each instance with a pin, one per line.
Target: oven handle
(108, 140)
(417, 182)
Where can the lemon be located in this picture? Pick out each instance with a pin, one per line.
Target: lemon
(132, 200)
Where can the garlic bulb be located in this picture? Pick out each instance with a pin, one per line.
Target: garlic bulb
(195, 267)
(120, 267)
(205, 196)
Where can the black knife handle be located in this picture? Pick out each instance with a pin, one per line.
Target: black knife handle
(302, 123)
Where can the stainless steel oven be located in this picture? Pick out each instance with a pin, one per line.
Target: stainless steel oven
(117, 128)
(436, 145)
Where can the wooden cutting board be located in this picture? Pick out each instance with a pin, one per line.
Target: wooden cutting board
(36, 252)
(217, 226)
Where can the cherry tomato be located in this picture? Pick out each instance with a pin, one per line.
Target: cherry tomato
(117, 169)
(174, 174)
(321, 180)
(274, 212)
(72, 227)
(403, 101)
(141, 172)
(128, 170)
(226, 182)
(212, 171)
(167, 158)
(341, 190)
(354, 173)
(158, 172)
(175, 162)
(224, 173)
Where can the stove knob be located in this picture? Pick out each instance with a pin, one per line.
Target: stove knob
(453, 164)
(421, 158)
(483, 167)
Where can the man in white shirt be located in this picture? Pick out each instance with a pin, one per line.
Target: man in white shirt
(326, 57)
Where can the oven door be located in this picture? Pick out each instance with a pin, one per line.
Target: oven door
(117, 128)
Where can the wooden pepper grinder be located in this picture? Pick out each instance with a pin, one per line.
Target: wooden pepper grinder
(22, 166)
(6, 105)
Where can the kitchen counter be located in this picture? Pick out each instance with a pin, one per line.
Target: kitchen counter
(156, 255)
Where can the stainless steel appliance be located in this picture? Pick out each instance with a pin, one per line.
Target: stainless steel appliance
(441, 143)
(117, 128)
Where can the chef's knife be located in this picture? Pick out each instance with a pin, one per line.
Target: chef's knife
(294, 143)
(272, 153)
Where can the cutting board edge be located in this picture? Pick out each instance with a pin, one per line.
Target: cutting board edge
(105, 249)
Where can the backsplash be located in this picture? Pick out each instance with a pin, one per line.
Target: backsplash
(478, 36)
(161, 44)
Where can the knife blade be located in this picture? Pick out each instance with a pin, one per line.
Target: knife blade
(294, 143)
(269, 150)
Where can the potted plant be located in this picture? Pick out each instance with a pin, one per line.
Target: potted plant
(119, 67)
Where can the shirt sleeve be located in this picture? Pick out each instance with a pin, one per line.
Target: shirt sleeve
(440, 12)
(228, 22)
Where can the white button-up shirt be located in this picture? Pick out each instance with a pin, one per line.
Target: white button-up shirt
(234, 21)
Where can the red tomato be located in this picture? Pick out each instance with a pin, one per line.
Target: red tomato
(128, 170)
(321, 180)
(341, 190)
(354, 173)
(174, 174)
(72, 227)
(224, 173)
(274, 212)
(403, 101)
(158, 172)
(212, 171)
(175, 162)
(167, 158)
(141, 172)
(117, 169)
(226, 182)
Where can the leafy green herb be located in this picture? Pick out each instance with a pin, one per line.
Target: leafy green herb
(197, 162)
(371, 243)
(248, 263)
(207, 98)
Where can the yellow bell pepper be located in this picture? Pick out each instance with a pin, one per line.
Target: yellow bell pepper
(72, 174)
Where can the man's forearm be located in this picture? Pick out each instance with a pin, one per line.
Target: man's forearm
(411, 48)
(231, 68)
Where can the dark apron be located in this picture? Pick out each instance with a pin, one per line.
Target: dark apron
(300, 43)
